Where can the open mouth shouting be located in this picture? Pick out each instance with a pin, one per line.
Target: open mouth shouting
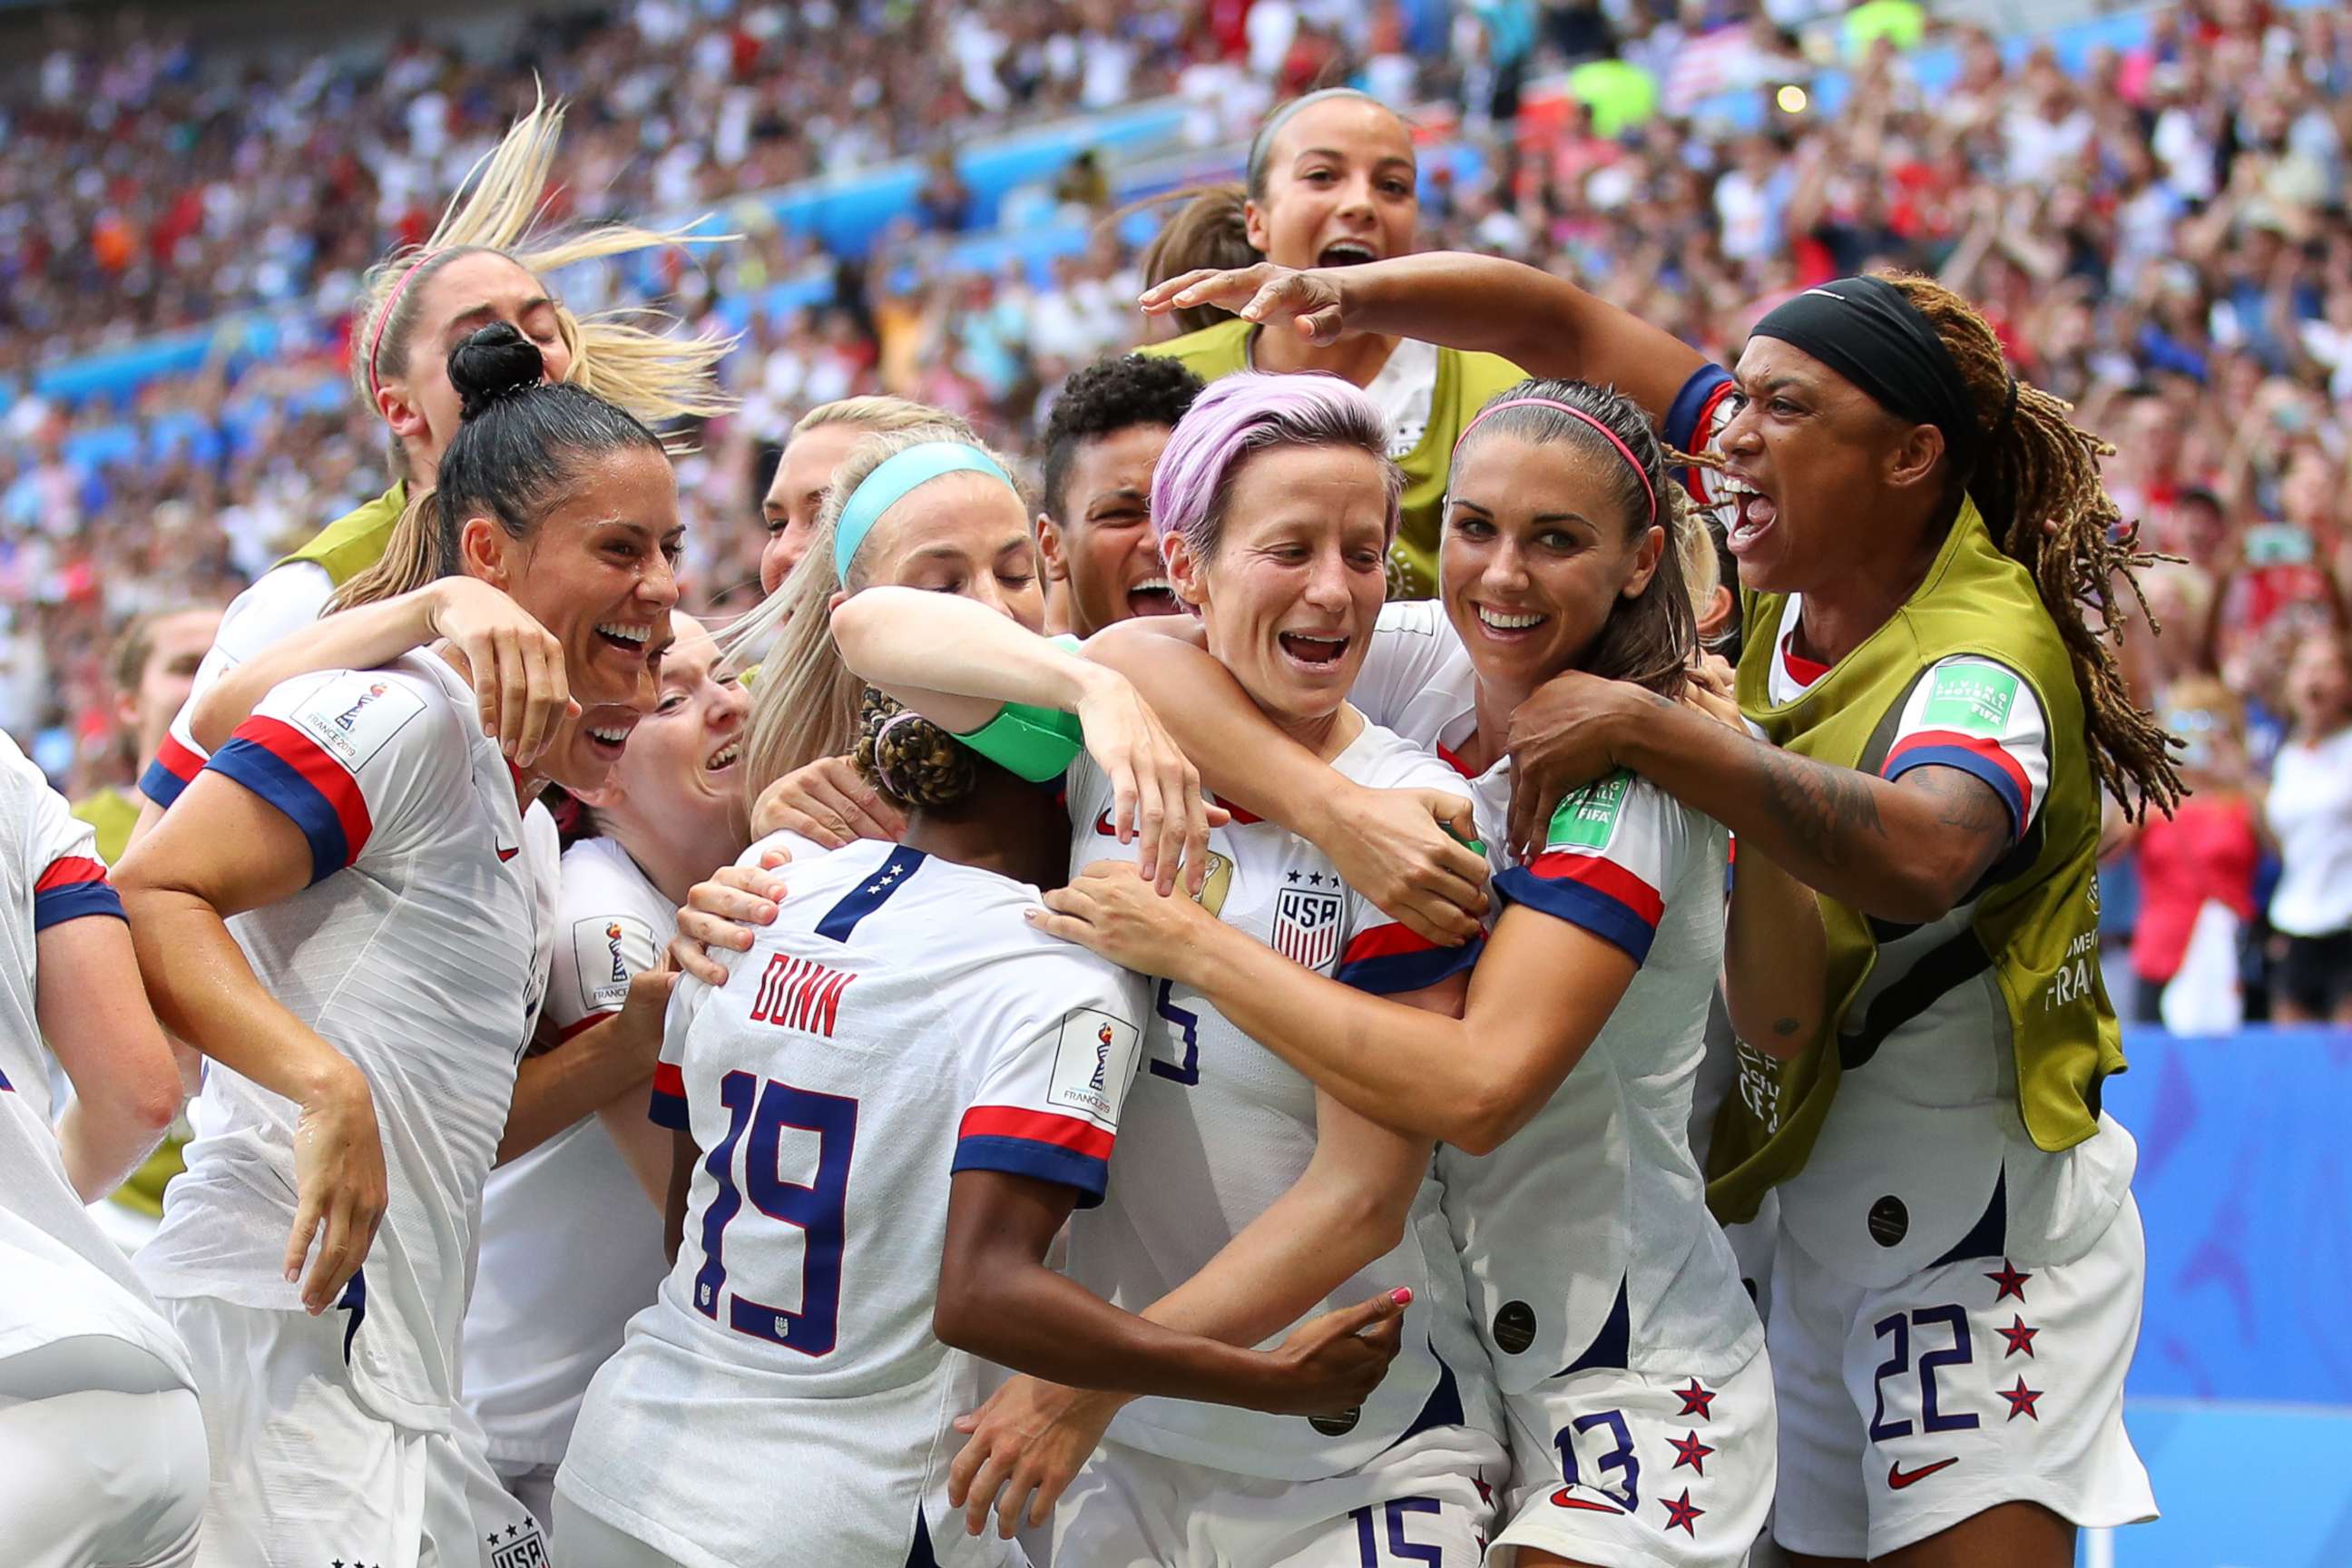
(1152, 596)
(1312, 654)
(607, 729)
(1506, 626)
(725, 757)
(1752, 512)
(1346, 253)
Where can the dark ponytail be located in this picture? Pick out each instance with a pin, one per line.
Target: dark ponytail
(1651, 639)
(1211, 230)
(519, 438)
(913, 762)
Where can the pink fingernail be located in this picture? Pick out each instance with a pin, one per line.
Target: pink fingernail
(1402, 1296)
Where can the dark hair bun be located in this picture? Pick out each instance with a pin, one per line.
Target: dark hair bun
(491, 362)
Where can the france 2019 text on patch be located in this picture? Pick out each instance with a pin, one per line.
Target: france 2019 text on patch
(1093, 1061)
(1974, 698)
(355, 717)
(1588, 818)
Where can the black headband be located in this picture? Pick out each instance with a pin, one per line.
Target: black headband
(1864, 329)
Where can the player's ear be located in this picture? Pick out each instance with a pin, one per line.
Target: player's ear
(1183, 569)
(1049, 550)
(487, 551)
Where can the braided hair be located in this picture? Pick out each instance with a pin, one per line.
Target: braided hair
(2037, 485)
(913, 762)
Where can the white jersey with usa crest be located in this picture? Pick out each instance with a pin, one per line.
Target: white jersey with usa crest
(783, 1401)
(540, 1325)
(60, 1275)
(1218, 1127)
(419, 951)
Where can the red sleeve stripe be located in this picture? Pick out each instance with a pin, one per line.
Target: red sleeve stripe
(1037, 1127)
(1604, 876)
(668, 1080)
(1988, 751)
(69, 871)
(1384, 941)
(1702, 437)
(333, 781)
(178, 760)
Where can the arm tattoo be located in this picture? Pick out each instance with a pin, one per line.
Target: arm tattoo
(1822, 807)
(1968, 806)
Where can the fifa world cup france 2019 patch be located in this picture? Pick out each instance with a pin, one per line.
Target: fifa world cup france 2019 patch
(1974, 699)
(607, 951)
(1588, 818)
(355, 716)
(1094, 1061)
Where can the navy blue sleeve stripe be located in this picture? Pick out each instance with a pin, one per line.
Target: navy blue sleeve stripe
(72, 903)
(1394, 974)
(268, 775)
(668, 1111)
(1584, 906)
(1682, 412)
(1046, 1162)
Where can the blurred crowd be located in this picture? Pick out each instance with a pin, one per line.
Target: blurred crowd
(2161, 236)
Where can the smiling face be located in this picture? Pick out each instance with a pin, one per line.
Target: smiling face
(1811, 463)
(597, 572)
(797, 494)
(461, 295)
(678, 775)
(1102, 546)
(1339, 187)
(1538, 550)
(961, 533)
(1290, 596)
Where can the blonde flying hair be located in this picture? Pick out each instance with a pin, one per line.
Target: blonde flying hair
(625, 356)
(806, 705)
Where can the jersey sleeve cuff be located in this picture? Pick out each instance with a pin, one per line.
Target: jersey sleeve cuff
(1974, 755)
(73, 886)
(1035, 1144)
(1391, 960)
(1591, 893)
(668, 1106)
(278, 763)
(1690, 418)
(174, 767)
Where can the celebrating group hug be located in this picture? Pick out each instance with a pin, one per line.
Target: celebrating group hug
(1452, 936)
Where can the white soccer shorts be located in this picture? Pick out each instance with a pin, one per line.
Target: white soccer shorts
(1627, 1470)
(101, 1458)
(305, 1474)
(1905, 1410)
(1425, 1503)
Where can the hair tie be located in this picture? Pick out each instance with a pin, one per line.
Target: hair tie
(390, 302)
(892, 478)
(881, 768)
(1615, 439)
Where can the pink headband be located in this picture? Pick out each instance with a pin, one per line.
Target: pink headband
(391, 303)
(1613, 439)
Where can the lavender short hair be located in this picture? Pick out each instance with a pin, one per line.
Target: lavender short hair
(1247, 413)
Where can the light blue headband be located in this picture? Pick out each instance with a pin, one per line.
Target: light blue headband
(891, 480)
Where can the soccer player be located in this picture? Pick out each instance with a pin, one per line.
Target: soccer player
(154, 669)
(1275, 502)
(364, 1013)
(483, 263)
(785, 1401)
(101, 1443)
(541, 1323)
(821, 438)
(1918, 535)
(1094, 520)
(1332, 182)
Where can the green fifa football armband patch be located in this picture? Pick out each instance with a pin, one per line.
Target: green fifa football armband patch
(1587, 819)
(1974, 698)
(1037, 743)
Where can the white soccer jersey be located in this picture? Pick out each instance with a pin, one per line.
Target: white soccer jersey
(418, 951)
(280, 602)
(1632, 1272)
(1923, 1153)
(783, 1401)
(60, 1275)
(541, 1324)
(1219, 1127)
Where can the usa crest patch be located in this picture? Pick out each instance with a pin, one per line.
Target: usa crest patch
(1307, 927)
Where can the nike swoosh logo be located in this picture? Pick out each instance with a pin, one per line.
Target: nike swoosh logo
(1566, 1499)
(507, 855)
(1898, 1479)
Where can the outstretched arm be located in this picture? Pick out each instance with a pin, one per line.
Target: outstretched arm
(1482, 303)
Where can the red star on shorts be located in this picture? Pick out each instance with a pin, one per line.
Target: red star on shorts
(1690, 1451)
(2019, 1336)
(2011, 1281)
(1681, 1511)
(2021, 1400)
(1486, 1492)
(1696, 1401)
